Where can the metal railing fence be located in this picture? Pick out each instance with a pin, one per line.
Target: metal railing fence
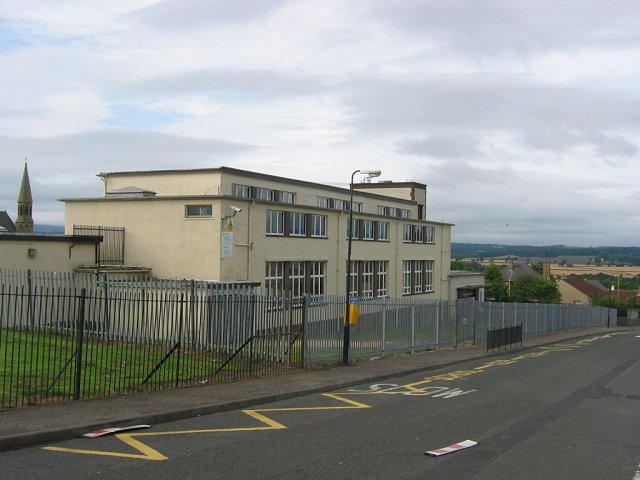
(66, 336)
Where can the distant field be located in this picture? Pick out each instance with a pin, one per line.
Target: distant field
(627, 272)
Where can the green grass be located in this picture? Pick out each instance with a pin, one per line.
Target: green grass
(32, 367)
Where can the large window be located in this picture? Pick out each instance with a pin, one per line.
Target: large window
(418, 233)
(298, 278)
(369, 278)
(417, 276)
(275, 222)
(198, 211)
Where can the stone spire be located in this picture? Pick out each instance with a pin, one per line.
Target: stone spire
(24, 221)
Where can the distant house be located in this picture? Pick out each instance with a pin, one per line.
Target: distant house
(514, 270)
(580, 291)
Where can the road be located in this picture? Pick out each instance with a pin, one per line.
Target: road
(567, 411)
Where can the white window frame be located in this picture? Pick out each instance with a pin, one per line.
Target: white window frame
(383, 279)
(418, 276)
(275, 222)
(297, 275)
(317, 275)
(198, 211)
(428, 274)
(418, 234)
(298, 224)
(430, 236)
(318, 226)
(287, 197)
(368, 230)
(406, 277)
(383, 230)
(274, 277)
(242, 191)
(368, 267)
(407, 233)
(266, 194)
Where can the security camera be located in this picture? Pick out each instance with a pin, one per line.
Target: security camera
(235, 209)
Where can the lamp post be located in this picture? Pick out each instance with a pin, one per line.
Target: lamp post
(347, 309)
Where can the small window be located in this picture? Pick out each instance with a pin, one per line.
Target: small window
(324, 202)
(383, 230)
(418, 234)
(265, 194)
(430, 234)
(242, 191)
(407, 236)
(198, 211)
(287, 197)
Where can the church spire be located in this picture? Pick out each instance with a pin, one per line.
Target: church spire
(24, 221)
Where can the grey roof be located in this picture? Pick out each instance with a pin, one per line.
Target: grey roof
(6, 224)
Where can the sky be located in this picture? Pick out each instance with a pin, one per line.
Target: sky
(522, 117)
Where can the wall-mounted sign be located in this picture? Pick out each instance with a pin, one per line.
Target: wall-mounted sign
(226, 247)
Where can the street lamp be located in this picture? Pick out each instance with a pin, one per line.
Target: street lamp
(347, 310)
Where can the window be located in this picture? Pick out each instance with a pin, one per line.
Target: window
(367, 279)
(418, 276)
(406, 277)
(287, 197)
(198, 211)
(418, 234)
(265, 194)
(298, 224)
(242, 191)
(317, 276)
(318, 225)
(340, 204)
(324, 202)
(357, 206)
(275, 222)
(430, 234)
(407, 235)
(382, 279)
(383, 230)
(428, 273)
(274, 277)
(296, 278)
(367, 230)
(353, 283)
(355, 229)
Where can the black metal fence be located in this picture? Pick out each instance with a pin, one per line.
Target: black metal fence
(507, 337)
(111, 249)
(65, 336)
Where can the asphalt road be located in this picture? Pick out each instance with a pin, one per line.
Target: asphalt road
(559, 412)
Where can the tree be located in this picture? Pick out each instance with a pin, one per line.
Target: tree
(495, 289)
(609, 301)
(532, 289)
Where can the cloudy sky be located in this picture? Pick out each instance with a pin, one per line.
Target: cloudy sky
(522, 117)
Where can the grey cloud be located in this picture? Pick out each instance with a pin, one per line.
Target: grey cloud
(453, 146)
(237, 85)
(185, 14)
(65, 166)
(517, 28)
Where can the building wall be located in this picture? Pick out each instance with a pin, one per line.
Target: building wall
(158, 235)
(44, 255)
(570, 294)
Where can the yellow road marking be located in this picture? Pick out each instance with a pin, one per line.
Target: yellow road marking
(145, 452)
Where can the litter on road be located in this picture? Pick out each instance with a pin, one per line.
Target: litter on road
(453, 448)
(109, 431)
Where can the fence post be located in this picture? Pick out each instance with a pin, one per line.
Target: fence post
(384, 326)
(413, 329)
(79, 341)
(303, 331)
(179, 343)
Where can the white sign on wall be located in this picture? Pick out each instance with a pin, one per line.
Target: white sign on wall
(226, 247)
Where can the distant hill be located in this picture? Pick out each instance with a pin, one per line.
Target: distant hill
(613, 255)
(48, 229)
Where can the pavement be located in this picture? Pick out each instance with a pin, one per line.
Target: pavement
(37, 425)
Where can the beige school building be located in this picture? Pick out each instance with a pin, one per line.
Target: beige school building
(225, 224)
